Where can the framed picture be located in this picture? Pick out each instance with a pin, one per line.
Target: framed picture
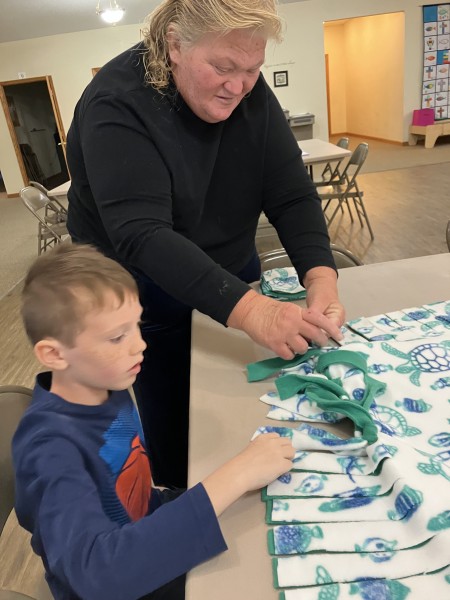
(280, 78)
(13, 111)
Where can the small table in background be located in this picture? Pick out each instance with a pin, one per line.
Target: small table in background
(317, 151)
(60, 191)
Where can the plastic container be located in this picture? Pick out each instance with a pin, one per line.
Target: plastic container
(424, 116)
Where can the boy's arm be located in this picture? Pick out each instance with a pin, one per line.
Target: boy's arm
(98, 559)
(58, 502)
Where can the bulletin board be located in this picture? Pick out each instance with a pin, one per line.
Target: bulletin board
(436, 59)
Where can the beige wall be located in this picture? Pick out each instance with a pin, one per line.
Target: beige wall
(366, 86)
(69, 58)
(302, 53)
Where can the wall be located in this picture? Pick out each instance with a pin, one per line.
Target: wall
(302, 54)
(375, 76)
(69, 58)
(366, 87)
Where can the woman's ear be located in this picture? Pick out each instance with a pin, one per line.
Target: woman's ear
(174, 45)
(50, 353)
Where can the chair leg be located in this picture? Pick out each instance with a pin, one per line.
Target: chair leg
(340, 201)
(361, 210)
(349, 209)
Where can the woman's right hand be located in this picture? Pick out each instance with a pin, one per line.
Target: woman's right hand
(281, 326)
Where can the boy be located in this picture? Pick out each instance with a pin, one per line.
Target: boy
(83, 479)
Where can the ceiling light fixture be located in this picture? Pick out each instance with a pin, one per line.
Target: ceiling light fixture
(111, 14)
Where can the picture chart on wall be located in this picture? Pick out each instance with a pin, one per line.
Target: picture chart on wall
(436, 59)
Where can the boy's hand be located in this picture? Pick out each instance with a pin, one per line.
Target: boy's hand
(267, 457)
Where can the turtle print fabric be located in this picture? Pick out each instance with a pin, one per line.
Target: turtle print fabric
(282, 284)
(386, 501)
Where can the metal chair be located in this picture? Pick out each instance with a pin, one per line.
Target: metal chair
(22, 575)
(275, 259)
(14, 400)
(448, 235)
(329, 172)
(51, 230)
(346, 188)
(53, 200)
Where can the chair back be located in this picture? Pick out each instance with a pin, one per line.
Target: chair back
(355, 163)
(52, 222)
(14, 400)
(34, 199)
(342, 143)
(54, 202)
(448, 235)
(278, 258)
(344, 258)
(274, 259)
(39, 187)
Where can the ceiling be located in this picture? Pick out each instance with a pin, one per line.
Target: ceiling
(25, 19)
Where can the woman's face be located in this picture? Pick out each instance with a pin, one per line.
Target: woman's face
(216, 72)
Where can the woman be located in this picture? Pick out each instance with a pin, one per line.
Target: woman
(176, 147)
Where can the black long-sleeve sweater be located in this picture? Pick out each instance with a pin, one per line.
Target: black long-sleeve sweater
(179, 199)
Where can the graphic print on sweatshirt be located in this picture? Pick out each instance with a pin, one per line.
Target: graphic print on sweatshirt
(128, 463)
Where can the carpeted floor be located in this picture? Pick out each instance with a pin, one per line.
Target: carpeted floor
(18, 242)
(386, 157)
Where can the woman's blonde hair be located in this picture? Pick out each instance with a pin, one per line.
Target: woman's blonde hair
(192, 19)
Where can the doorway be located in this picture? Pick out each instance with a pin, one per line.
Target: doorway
(36, 129)
(365, 66)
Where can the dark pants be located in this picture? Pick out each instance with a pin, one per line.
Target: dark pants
(162, 387)
(174, 590)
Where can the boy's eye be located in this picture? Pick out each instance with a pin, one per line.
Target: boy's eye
(117, 339)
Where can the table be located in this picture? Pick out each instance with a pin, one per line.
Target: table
(321, 152)
(60, 190)
(225, 412)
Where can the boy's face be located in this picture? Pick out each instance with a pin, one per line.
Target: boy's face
(107, 354)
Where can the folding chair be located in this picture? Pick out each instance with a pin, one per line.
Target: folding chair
(53, 200)
(51, 230)
(14, 400)
(329, 172)
(275, 259)
(346, 188)
(21, 572)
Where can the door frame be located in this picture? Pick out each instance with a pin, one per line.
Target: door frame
(59, 124)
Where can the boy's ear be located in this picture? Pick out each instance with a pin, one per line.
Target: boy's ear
(50, 353)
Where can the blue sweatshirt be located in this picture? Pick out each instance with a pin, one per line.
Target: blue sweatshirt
(83, 490)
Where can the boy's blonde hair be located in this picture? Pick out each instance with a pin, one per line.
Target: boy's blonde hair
(192, 19)
(65, 283)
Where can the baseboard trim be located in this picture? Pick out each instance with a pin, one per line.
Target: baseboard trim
(370, 137)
